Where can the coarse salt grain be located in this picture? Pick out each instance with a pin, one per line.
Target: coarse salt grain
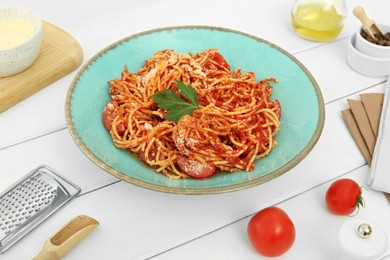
(14, 32)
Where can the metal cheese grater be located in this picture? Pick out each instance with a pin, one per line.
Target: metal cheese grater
(30, 201)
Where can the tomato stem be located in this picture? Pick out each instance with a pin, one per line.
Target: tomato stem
(360, 200)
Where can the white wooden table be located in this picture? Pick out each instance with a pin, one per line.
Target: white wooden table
(137, 223)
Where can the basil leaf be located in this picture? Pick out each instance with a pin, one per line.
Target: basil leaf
(188, 92)
(176, 107)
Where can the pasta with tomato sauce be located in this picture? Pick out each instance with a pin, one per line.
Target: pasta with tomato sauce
(234, 126)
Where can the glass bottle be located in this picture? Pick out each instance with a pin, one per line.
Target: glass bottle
(318, 20)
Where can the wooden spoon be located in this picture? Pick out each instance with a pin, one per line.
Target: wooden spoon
(369, 25)
(59, 244)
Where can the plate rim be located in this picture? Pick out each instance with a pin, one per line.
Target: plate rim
(196, 191)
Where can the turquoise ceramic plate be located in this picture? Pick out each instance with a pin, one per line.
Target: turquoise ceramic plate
(297, 91)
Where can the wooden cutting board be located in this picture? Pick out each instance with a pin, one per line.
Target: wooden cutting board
(60, 54)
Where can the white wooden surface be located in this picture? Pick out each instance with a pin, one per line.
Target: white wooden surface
(137, 223)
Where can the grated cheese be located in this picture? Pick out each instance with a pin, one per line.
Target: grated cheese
(150, 74)
(148, 126)
(14, 32)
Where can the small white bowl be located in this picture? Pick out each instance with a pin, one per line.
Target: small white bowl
(370, 48)
(20, 46)
(366, 65)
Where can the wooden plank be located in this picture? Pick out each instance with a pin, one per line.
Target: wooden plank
(60, 54)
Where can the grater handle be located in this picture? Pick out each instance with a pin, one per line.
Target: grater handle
(59, 244)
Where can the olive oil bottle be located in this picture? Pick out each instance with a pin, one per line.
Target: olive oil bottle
(320, 20)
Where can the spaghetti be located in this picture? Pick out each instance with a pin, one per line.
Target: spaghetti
(235, 124)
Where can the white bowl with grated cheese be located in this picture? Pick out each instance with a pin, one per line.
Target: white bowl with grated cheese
(20, 39)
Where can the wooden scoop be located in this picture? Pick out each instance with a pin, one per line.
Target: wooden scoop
(67, 238)
(369, 25)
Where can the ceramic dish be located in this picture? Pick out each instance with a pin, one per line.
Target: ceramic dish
(366, 65)
(300, 97)
(20, 50)
(371, 49)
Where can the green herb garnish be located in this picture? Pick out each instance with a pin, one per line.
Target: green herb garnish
(175, 106)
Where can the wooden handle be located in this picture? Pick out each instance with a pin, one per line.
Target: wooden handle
(360, 13)
(67, 238)
(47, 255)
(369, 25)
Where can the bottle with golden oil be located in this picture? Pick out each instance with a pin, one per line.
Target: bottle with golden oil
(318, 20)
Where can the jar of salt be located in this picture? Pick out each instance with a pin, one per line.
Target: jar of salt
(361, 239)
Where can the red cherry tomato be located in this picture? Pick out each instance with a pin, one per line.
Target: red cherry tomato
(218, 58)
(344, 196)
(109, 114)
(194, 168)
(271, 232)
(152, 155)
